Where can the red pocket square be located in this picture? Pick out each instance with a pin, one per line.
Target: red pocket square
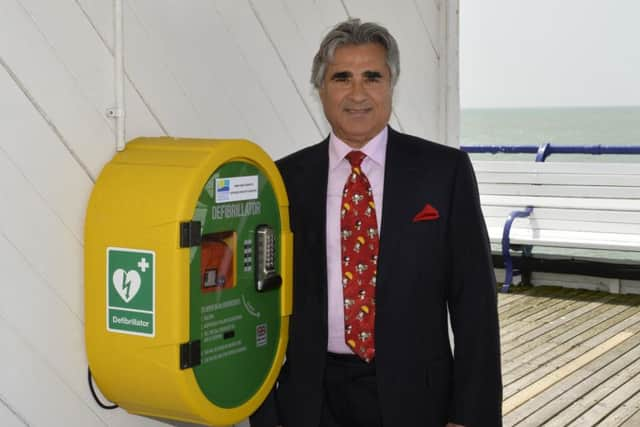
(427, 213)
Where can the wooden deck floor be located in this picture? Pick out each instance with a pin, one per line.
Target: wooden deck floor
(570, 357)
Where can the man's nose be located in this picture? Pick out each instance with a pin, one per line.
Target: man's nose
(358, 91)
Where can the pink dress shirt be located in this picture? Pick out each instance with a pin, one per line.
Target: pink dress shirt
(339, 169)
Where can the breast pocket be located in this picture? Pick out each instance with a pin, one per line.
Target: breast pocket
(418, 245)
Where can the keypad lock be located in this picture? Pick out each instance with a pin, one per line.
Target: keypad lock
(266, 276)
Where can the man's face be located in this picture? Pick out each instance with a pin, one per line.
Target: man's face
(356, 93)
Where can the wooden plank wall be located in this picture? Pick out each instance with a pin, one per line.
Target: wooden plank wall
(197, 68)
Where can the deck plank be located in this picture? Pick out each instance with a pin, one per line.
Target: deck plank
(554, 359)
(574, 317)
(587, 322)
(532, 311)
(570, 357)
(632, 421)
(598, 404)
(561, 395)
(541, 321)
(627, 409)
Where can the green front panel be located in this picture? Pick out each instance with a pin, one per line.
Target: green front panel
(238, 326)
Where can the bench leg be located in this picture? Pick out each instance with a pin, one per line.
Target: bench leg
(506, 245)
(525, 269)
(508, 269)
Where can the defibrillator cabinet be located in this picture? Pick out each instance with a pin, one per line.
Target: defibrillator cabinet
(188, 279)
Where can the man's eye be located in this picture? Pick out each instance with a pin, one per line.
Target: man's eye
(341, 77)
(372, 77)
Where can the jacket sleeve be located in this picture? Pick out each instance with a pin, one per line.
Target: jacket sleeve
(477, 385)
(267, 413)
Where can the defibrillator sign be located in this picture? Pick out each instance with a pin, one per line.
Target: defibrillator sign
(131, 291)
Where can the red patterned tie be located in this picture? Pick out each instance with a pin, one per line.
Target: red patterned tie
(359, 233)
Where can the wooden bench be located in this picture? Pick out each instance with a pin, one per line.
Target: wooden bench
(561, 205)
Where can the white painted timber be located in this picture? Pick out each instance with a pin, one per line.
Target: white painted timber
(88, 59)
(565, 225)
(147, 66)
(48, 84)
(431, 16)
(38, 394)
(605, 284)
(583, 178)
(9, 418)
(602, 216)
(57, 337)
(553, 167)
(36, 151)
(630, 286)
(296, 47)
(419, 75)
(600, 191)
(237, 108)
(562, 202)
(265, 66)
(449, 65)
(51, 249)
(569, 239)
(315, 18)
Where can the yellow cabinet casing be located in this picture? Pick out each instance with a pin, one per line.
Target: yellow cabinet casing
(179, 322)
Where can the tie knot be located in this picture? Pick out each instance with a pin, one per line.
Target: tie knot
(355, 158)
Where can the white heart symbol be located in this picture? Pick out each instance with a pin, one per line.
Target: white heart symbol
(126, 283)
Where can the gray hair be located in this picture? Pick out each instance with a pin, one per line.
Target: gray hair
(354, 32)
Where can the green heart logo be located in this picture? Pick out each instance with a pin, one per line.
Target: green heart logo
(127, 283)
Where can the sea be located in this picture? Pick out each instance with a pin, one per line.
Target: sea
(557, 125)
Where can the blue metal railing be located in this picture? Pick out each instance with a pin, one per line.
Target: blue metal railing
(547, 149)
(542, 152)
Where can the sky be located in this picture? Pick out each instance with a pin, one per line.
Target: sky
(539, 53)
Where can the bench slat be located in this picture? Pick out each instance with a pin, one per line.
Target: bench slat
(555, 202)
(574, 215)
(557, 167)
(560, 191)
(584, 179)
(578, 226)
(571, 239)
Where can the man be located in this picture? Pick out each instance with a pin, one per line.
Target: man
(385, 241)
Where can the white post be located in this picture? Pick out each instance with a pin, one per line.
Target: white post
(449, 72)
(118, 54)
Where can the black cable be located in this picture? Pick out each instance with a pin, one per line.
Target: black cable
(95, 396)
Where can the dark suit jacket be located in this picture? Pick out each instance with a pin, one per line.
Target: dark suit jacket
(424, 268)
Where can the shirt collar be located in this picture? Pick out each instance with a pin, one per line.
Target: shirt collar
(375, 149)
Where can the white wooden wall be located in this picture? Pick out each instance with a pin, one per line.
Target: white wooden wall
(197, 68)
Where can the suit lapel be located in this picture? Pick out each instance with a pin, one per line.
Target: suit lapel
(399, 176)
(314, 181)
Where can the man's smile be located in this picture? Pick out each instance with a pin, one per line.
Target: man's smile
(358, 110)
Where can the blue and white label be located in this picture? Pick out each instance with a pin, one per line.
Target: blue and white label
(236, 189)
